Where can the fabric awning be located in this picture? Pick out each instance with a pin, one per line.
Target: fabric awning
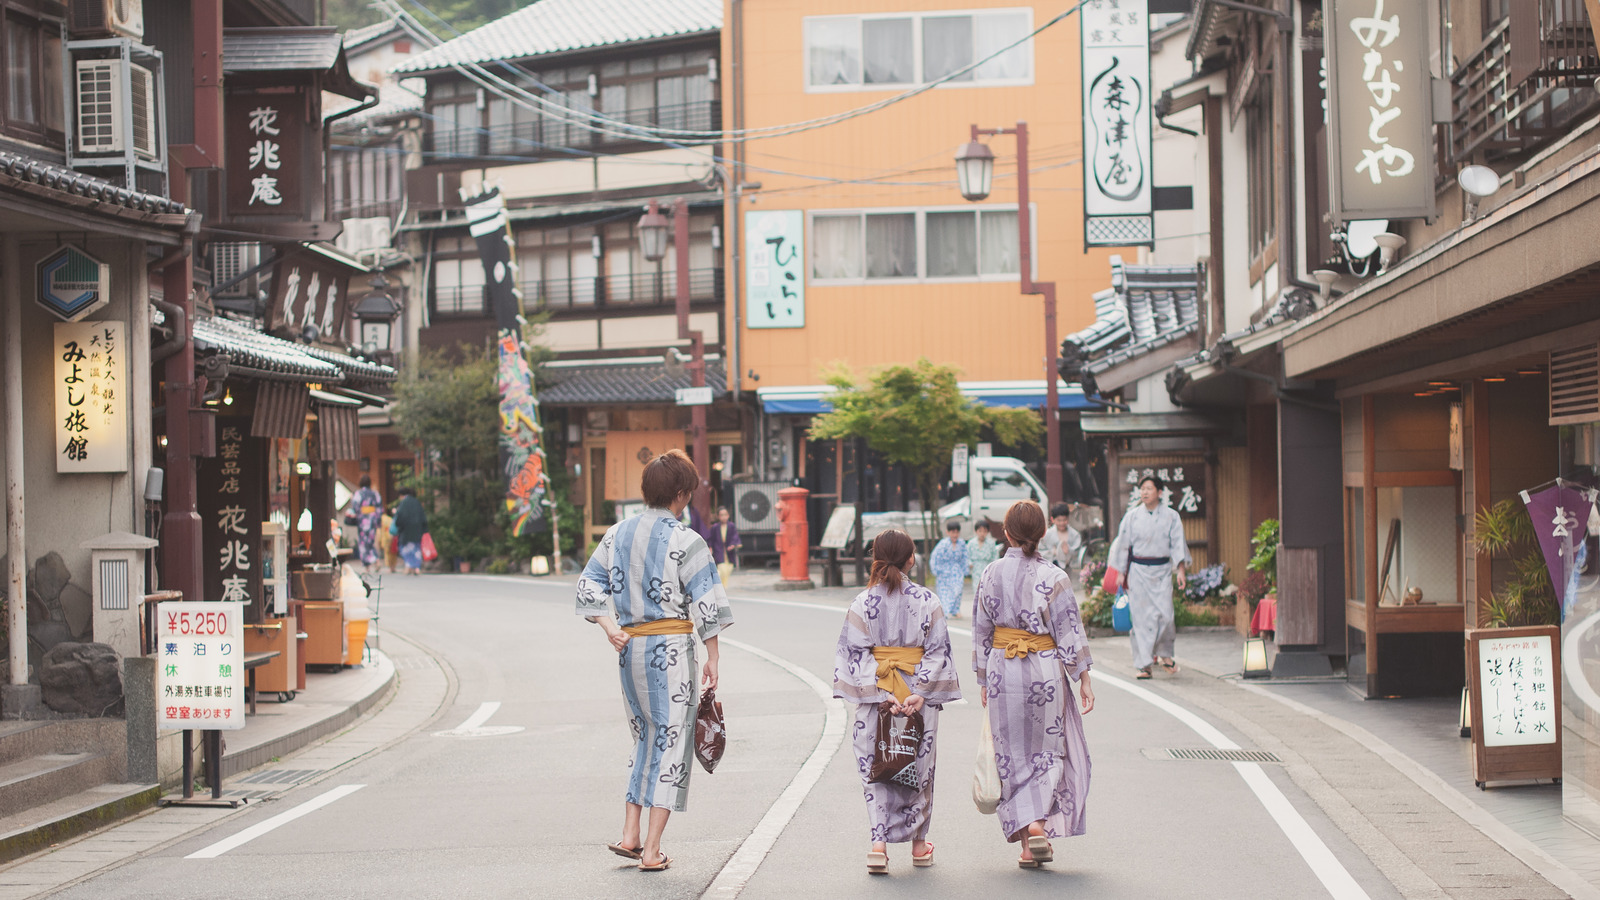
(810, 400)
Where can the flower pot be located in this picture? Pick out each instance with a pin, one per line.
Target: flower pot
(464, 567)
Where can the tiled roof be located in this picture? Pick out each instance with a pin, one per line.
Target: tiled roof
(74, 182)
(1146, 307)
(354, 368)
(278, 359)
(311, 48)
(557, 26)
(646, 381)
(355, 37)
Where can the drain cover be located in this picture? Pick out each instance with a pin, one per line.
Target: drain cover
(280, 776)
(1211, 754)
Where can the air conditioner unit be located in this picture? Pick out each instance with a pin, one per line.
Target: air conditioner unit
(101, 128)
(100, 18)
(229, 261)
(755, 505)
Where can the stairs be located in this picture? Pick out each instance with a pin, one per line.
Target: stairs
(59, 779)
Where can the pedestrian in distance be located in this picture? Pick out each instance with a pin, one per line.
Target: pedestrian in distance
(950, 564)
(410, 524)
(1061, 541)
(723, 537)
(365, 512)
(652, 586)
(981, 550)
(1151, 552)
(895, 647)
(1027, 640)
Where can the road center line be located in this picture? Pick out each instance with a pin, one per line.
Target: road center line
(277, 821)
(744, 862)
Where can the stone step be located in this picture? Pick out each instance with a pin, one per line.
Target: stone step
(22, 739)
(67, 817)
(36, 780)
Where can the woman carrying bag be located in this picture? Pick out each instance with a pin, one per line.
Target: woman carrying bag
(895, 649)
(1027, 639)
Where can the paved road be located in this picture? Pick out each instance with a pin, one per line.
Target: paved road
(526, 813)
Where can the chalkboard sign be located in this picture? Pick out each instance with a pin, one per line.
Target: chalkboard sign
(841, 525)
(1515, 684)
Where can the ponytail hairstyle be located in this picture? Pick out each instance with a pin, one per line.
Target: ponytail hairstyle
(1025, 526)
(891, 553)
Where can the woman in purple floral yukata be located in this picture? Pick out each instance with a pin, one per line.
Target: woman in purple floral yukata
(895, 648)
(1027, 639)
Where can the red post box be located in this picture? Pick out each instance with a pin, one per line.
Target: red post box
(794, 538)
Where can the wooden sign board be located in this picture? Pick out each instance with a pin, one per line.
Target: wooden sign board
(1514, 677)
(841, 525)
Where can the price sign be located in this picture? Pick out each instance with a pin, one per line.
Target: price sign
(200, 666)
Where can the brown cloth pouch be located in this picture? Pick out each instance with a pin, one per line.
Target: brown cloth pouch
(894, 756)
(710, 732)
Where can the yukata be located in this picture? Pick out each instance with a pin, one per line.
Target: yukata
(1150, 544)
(1058, 549)
(980, 554)
(1039, 746)
(649, 568)
(410, 524)
(723, 538)
(367, 507)
(949, 564)
(908, 616)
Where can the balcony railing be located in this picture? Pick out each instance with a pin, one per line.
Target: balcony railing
(549, 134)
(1527, 83)
(459, 300)
(643, 289)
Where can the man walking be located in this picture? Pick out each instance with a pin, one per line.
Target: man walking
(1150, 547)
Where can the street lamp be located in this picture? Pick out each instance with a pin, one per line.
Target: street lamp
(653, 244)
(975, 177)
(376, 312)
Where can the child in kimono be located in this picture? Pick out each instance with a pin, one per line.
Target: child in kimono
(652, 586)
(950, 565)
(895, 648)
(981, 550)
(1151, 548)
(1027, 640)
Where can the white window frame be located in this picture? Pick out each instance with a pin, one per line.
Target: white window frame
(916, 52)
(921, 218)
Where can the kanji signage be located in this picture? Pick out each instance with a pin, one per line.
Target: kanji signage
(267, 151)
(1185, 489)
(1560, 515)
(310, 291)
(91, 411)
(199, 666)
(1515, 683)
(1380, 109)
(775, 288)
(73, 284)
(1117, 195)
(230, 507)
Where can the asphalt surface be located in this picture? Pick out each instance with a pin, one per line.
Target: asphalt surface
(527, 812)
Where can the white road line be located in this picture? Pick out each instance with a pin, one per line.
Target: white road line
(744, 862)
(474, 727)
(281, 819)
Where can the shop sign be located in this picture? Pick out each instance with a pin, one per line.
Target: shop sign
(1185, 490)
(200, 666)
(230, 506)
(775, 283)
(1560, 515)
(1519, 699)
(73, 284)
(1117, 196)
(693, 396)
(266, 154)
(1380, 109)
(959, 464)
(91, 412)
(307, 293)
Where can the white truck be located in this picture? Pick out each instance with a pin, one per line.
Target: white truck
(993, 484)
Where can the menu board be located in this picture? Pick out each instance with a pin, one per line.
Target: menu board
(200, 666)
(1514, 674)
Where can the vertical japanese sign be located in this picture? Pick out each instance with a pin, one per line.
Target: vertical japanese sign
(1117, 196)
(200, 668)
(306, 293)
(91, 433)
(1560, 515)
(521, 450)
(1517, 679)
(230, 493)
(1185, 489)
(775, 280)
(265, 146)
(1380, 108)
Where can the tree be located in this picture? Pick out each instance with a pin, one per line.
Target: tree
(914, 416)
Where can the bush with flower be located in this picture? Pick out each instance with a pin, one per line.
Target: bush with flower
(1209, 586)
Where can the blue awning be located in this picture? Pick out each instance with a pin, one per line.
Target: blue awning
(809, 400)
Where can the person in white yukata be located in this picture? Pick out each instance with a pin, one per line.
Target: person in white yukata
(1149, 549)
(652, 585)
(950, 564)
(1061, 541)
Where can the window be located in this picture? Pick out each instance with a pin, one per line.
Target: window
(965, 243)
(33, 70)
(456, 126)
(854, 51)
(457, 277)
(1001, 485)
(1261, 168)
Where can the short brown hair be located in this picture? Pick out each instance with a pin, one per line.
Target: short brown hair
(668, 477)
(1025, 526)
(891, 553)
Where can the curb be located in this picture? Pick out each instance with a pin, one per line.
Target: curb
(254, 757)
(30, 840)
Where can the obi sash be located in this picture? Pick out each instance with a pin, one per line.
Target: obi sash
(894, 663)
(1017, 642)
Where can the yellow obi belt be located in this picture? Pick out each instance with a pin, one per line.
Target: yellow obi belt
(894, 663)
(1016, 642)
(660, 626)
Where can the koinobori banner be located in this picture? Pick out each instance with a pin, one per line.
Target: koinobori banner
(1117, 196)
(1380, 109)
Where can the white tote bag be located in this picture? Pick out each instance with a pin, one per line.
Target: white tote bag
(986, 776)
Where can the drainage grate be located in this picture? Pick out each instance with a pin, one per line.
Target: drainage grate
(1209, 754)
(280, 776)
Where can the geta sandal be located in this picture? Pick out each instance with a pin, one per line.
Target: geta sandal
(1039, 847)
(1144, 674)
(620, 850)
(924, 860)
(877, 862)
(663, 865)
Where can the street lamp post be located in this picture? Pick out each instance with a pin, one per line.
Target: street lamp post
(653, 243)
(975, 177)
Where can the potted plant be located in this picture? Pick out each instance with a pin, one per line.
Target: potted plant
(1526, 597)
(1264, 554)
(1208, 597)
